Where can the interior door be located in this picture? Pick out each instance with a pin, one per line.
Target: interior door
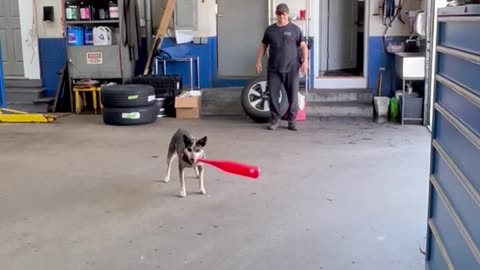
(240, 28)
(342, 34)
(11, 38)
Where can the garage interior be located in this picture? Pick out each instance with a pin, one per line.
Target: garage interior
(375, 178)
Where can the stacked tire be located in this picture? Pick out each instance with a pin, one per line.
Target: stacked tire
(129, 104)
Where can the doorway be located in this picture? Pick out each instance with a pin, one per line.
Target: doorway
(11, 39)
(343, 43)
(239, 36)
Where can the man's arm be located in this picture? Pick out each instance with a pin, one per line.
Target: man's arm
(261, 52)
(304, 48)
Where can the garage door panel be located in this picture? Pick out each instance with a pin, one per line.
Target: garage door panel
(241, 24)
(460, 71)
(3, 43)
(462, 107)
(450, 35)
(437, 260)
(460, 254)
(463, 197)
(459, 148)
(17, 39)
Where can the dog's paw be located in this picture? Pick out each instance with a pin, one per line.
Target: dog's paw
(203, 191)
(183, 194)
(166, 179)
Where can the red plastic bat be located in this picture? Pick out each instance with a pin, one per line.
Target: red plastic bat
(234, 167)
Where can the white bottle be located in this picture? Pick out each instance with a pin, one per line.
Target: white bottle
(102, 36)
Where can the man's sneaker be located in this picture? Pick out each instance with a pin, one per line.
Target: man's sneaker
(273, 125)
(292, 125)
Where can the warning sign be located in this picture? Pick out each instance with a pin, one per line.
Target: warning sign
(94, 58)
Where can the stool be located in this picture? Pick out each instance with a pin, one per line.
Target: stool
(84, 89)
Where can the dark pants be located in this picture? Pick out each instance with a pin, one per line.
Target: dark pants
(290, 82)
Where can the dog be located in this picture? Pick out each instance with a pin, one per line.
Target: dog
(188, 150)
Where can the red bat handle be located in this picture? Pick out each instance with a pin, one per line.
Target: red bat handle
(234, 167)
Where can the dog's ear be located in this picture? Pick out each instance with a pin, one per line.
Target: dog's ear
(187, 141)
(202, 142)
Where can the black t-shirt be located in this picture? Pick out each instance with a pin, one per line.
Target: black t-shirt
(284, 42)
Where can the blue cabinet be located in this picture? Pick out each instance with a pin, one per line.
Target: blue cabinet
(453, 236)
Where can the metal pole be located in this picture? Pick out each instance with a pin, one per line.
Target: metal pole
(2, 81)
(192, 85)
(198, 72)
(270, 7)
(148, 23)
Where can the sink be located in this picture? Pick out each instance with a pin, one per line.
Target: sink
(410, 65)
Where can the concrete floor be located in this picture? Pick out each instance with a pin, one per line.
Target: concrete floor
(335, 196)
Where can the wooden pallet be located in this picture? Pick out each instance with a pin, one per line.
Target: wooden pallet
(161, 31)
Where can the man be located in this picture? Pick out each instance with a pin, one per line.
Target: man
(284, 64)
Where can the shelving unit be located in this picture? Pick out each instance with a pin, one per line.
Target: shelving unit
(99, 62)
(92, 22)
(453, 239)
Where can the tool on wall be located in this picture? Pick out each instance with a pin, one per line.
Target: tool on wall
(161, 31)
(390, 11)
(131, 27)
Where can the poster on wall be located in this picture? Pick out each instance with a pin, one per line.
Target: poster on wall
(94, 58)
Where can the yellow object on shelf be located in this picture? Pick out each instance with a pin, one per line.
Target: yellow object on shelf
(81, 103)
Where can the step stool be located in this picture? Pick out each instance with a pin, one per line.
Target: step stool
(84, 90)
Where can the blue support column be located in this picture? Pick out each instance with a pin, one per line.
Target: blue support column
(3, 102)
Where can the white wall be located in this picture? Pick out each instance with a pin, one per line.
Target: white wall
(207, 18)
(33, 27)
(50, 29)
(28, 24)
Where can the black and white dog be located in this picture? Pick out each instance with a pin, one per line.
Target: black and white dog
(188, 150)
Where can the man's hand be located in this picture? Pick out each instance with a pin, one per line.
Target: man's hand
(304, 67)
(261, 52)
(259, 67)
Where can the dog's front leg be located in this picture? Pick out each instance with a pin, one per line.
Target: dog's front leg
(181, 174)
(170, 159)
(201, 172)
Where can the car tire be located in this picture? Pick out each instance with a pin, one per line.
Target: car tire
(254, 99)
(128, 95)
(130, 116)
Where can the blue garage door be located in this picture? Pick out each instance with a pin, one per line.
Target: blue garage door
(453, 239)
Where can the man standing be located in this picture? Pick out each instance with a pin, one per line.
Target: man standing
(284, 64)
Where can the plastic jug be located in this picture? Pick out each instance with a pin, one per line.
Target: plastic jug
(102, 35)
(75, 35)
(88, 36)
(394, 109)
(71, 11)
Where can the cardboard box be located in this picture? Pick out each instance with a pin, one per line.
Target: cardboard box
(188, 105)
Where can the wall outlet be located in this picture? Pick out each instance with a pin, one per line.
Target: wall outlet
(203, 40)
